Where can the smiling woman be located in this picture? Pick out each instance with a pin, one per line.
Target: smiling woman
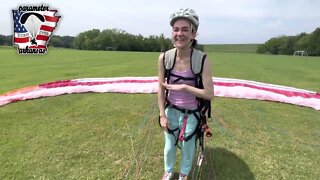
(184, 93)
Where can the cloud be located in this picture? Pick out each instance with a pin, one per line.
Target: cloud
(275, 24)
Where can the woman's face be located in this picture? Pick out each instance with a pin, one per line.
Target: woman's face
(182, 33)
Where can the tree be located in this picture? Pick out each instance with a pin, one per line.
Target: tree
(314, 43)
(289, 44)
(6, 40)
(117, 39)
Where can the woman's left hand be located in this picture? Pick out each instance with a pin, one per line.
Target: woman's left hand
(174, 87)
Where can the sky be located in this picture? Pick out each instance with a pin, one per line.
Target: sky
(221, 21)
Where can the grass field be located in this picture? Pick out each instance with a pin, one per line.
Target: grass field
(234, 48)
(116, 136)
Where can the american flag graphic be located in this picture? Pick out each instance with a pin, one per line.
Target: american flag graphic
(23, 38)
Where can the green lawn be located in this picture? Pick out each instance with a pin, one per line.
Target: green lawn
(116, 136)
(239, 48)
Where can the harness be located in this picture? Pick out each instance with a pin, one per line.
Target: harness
(204, 106)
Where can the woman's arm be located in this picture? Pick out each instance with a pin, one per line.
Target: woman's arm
(161, 93)
(161, 89)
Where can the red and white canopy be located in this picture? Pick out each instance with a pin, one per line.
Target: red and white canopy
(223, 87)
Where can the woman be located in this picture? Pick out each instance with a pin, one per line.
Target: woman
(182, 93)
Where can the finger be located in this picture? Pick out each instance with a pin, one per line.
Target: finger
(168, 87)
(165, 85)
(164, 128)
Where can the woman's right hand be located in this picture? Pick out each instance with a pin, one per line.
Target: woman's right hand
(164, 123)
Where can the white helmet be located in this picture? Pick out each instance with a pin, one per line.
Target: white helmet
(188, 14)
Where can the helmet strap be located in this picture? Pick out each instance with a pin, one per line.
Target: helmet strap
(192, 27)
(172, 41)
(190, 44)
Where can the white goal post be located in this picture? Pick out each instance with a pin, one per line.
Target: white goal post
(300, 53)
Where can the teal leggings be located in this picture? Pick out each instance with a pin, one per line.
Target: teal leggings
(175, 119)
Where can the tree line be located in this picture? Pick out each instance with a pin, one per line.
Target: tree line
(108, 39)
(6, 40)
(56, 41)
(119, 40)
(287, 45)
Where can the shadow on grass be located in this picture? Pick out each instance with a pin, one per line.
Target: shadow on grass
(221, 164)
(228, 165)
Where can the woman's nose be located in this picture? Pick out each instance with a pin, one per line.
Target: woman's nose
(179, 32)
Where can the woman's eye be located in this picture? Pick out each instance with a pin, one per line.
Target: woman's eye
(183, 30)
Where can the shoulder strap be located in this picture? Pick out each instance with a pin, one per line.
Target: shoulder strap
(169, 59)
(197, 61)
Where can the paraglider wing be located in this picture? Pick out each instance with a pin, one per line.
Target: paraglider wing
(25, 16)
(224, 87)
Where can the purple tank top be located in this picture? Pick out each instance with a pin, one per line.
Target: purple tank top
(183, 99)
